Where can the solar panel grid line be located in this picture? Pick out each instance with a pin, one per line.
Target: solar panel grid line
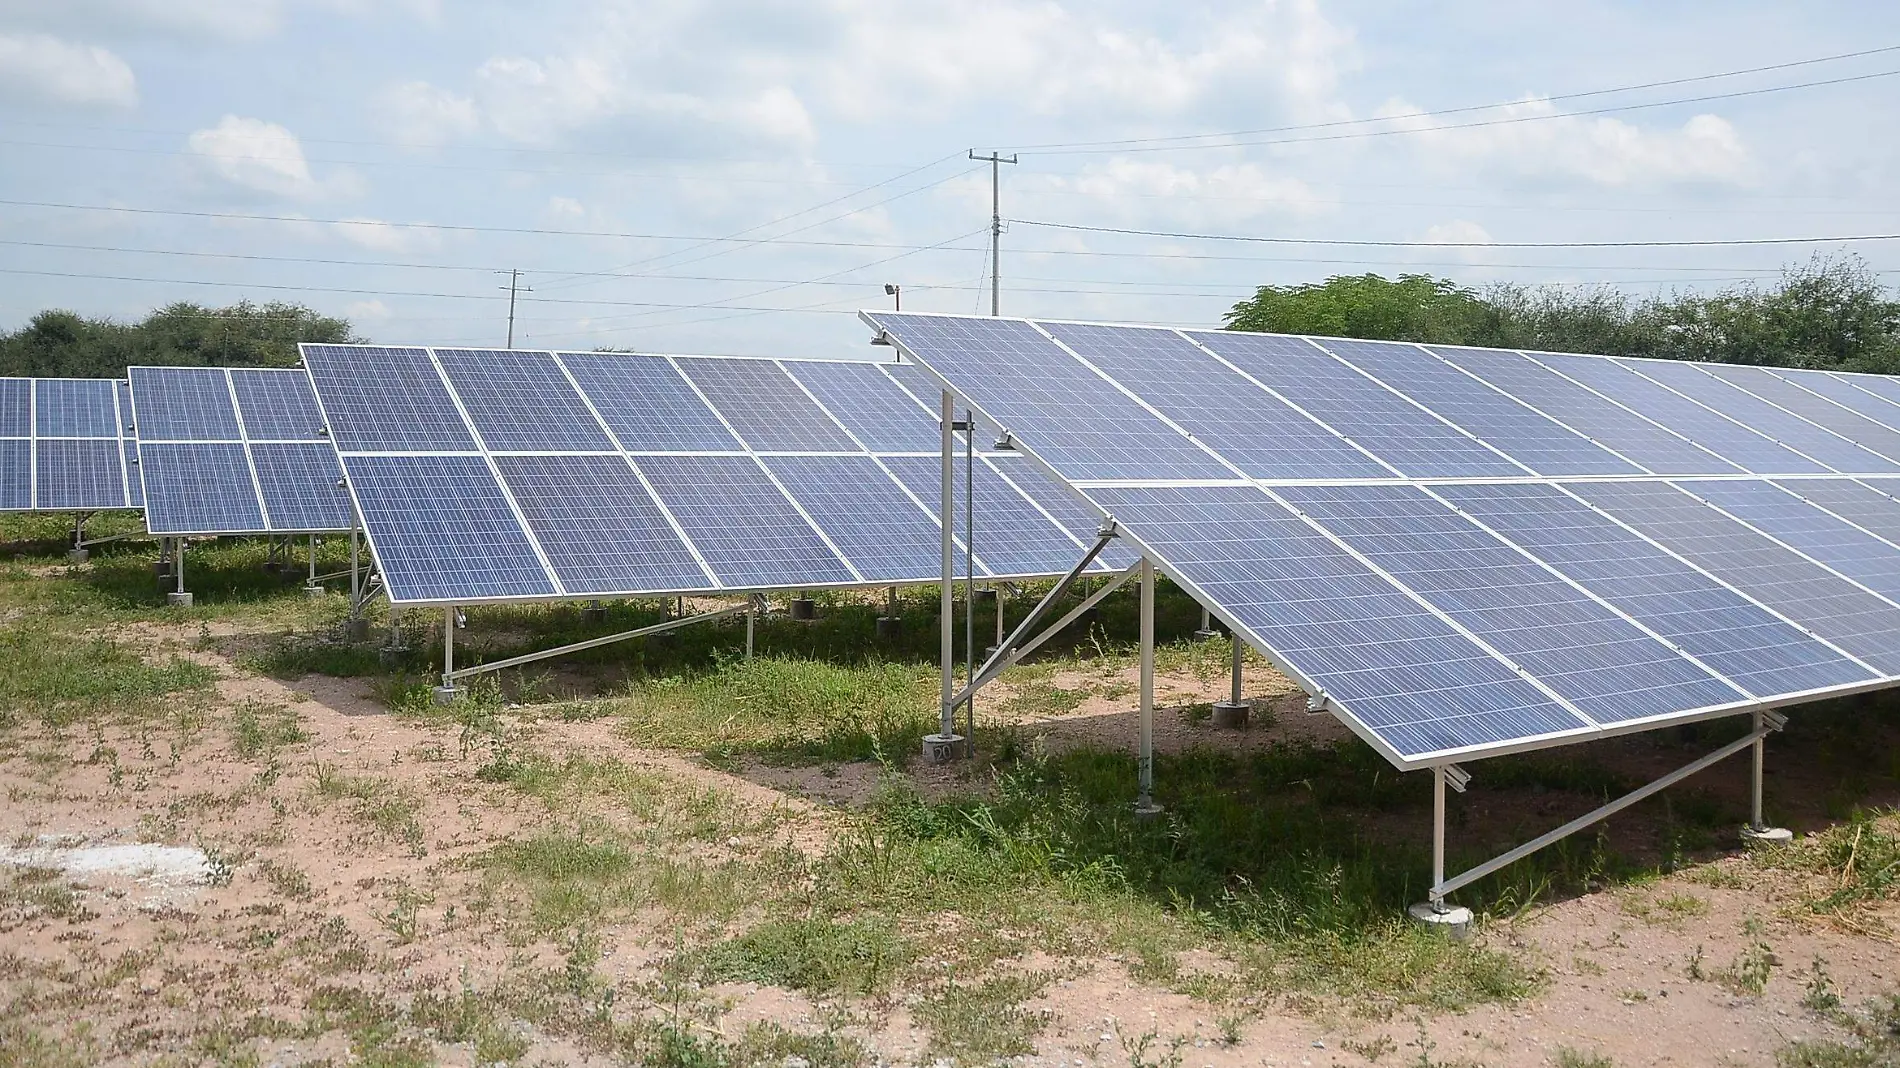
(671, 520)
(1822, 507)
(1599, 599)
(250, 462)
(1883, 387)
(1143, 402)
(1565, 424)
(1543, 360)
(760, 464)
(1839, 388)
(33, 443)
(1787, 392)
(1784, 543)
(1407, 398)
(1420, 600)
(494, 471)
(125, 472)
(1284, 399)
(1647, 371)
(960, 542)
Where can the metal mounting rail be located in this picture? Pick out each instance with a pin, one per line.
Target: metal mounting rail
(594, 643)
(1771, 722)
(1008, 653)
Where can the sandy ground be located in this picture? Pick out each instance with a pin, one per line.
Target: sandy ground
(170, 847)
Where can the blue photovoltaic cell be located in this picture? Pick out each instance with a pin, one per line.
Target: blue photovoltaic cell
(16, 474)
(385, 399)
(1866, 505)
(929, 393)
(1886, 387)
(520, 401)
(747, 531)
(878, 411)
(134, 485)
(1385, 424)
(1570, 642)
(1013, 536)
(277, 405)
(1779, 514)
(1847, 390)
(1841, 419)
(1790, 430)
(1503, 423)
(183, 404)
(880, 530)
(198, 487)
(122, 389)
(1072, 514)
(300, 483)
(16, 407)
(1248, 426)
(648, 404)
(766, 407)
(1080, 424)
(1588, 412)
(1725, 437)
(75, 408)
(599, 526)
(1850, 617)
(442, 530)
(79, 475)
(1395, 667)
(1725, 630)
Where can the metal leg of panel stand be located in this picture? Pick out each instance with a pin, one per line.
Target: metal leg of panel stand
(1758, 832)
(751, 615)
(1145, 806)
(1234, 711)
(78, 554)
(1434, 912)
(945, 746)
(448, 691)
(356, 628)
(888, 624)
(969, 575)
(394, 650)
(162, 567)
(594, 612)
(178, 597)
(311, 587)
(1207, 626)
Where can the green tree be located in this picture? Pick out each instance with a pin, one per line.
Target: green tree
(1415, 307)
(61, 343)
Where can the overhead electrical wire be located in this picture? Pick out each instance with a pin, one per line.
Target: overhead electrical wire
(1361, 243)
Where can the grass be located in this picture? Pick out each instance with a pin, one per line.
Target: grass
(821, 956)
(260, 729)
(1848, 869)
(61, 678)
(1873, 1040)
(387, 808)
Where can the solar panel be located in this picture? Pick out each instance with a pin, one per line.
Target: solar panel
(234, 451)
(385, 399)
(1013, 536)
(621, 475)
(1521, 524)
(61, 446)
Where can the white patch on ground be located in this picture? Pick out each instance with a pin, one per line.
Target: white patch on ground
(169, 872)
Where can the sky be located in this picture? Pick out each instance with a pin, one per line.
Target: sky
(740, 177)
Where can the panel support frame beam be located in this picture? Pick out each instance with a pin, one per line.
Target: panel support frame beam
(452, 674)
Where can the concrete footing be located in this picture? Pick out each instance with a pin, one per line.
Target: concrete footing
(1451, 919)
(356, 630)
(1148, 808)
(447, 695)
(1232, 715)
(315, 593)
(803, 608)
(178, 600)
(889, 627)
(943, 748)
(592, 616)
(78, 556)
(1759, 836)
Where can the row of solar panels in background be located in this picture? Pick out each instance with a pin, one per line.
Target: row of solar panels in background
(1450, 620)
(487, 475)
(234, 451)
(1330, 409)
(66, 444)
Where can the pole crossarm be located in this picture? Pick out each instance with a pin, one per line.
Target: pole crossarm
(594, 643)
(1771, 722)
(1008, 652)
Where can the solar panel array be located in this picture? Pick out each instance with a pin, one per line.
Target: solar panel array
(1468, 551)
(66, 445)
(234, 451)
(522, 475)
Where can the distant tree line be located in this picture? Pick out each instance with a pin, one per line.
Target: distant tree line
(1827, 313)
(61, 344)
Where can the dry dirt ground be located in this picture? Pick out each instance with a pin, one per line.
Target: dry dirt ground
(164, 876)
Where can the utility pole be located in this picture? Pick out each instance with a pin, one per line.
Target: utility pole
(513, 287)
(996, 225)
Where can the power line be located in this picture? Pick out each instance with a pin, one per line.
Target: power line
(1705, 243)
(1468, 108)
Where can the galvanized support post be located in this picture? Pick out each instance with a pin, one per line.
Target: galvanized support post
(1433, 912)
(1234, 711)
(969, 572)
(1207, 626)
(448, 691)
(943, 747)
(178, 597)
(311, 588)
(356, 628)
(1758, 832)
(1145, 758)
(751, 612)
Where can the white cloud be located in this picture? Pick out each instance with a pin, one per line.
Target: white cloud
(566, 207)
(385, 236)
(422, 113)
(37, 65)
(1599, 149)
(1150, 189)
(231, 20)
(366, 310)
(256, 155)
